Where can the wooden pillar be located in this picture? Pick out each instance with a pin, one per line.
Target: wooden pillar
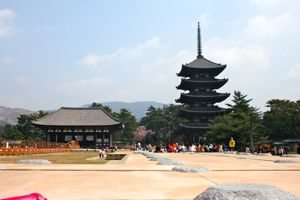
(47, 134)
(110, 139)
(102, 139)
(95, 140)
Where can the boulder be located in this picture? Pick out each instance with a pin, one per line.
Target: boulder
(245, 192)
(291, 155)
(34, 161)
(191, 169)
(287, 161)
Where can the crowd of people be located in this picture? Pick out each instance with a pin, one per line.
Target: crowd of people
(103, 151)
(174, 148)
(212, 147)
(274, 150)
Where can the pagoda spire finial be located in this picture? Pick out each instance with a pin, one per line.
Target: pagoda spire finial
(199, 42)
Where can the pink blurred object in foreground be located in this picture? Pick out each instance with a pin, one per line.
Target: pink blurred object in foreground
(32, 196)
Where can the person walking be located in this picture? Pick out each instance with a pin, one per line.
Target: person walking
(100, 153)
(231, 144)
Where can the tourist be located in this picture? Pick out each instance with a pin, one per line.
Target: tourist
(192, 148)
(247, 150)
(198, 148)
(157, 149)
(103, 153)
(175, 147)
(206, 148)
(231, 144)
(274, 150)
(150, 148)
(280, 151)
(224, 147)
(211, 147)
(183, 148)
(179, 148)
(170, 148)
(100, 153)
(139, 146)
(202, 148)
(220, 148)
(115, 147)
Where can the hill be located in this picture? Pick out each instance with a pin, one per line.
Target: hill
(138, 109)
(10, 115)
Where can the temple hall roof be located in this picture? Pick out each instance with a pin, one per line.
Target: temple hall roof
(77, 117)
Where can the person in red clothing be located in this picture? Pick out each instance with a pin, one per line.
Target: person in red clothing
(171, 148)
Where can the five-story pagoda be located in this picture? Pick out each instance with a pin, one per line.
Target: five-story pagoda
(199, 102)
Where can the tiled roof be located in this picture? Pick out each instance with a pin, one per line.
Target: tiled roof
(77, 117)
(203, 63)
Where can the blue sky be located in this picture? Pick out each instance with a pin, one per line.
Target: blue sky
(69, 53)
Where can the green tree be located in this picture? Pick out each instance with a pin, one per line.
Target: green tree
(163, 122)
(10, 132)
(1, 131)
(156, 121)
(99, 105)
(240, 103)
(27, 129)
(243, 123)
(129, 126)
(232, 125)
(282, 121)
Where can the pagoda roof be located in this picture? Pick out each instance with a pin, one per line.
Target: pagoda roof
(195, 126)
(197, 110)
(203, 63)
(192, 83)
(187, 71)
(214, 97)
(77, 117)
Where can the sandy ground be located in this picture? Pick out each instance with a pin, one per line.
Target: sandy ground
(139, 178)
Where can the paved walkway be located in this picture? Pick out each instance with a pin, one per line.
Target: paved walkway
(139, 178)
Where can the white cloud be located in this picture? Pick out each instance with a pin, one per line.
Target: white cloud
(140, 70)
(7, 27)
(239, 56)
(7, 60)
(263, 26)
(294, 72)
(99, 61)
(90, 60)
(85, 84)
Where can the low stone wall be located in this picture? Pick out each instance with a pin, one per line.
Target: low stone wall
(29, 151)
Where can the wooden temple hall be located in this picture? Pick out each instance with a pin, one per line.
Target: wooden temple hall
(90, 127)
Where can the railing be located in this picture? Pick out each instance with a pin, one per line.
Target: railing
(29, 151)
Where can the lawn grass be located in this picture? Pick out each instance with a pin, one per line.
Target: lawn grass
(58, 158)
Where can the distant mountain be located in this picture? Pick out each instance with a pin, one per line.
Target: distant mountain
(138, 109)
(10, 115)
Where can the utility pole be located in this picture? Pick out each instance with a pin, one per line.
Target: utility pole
(251, 133)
